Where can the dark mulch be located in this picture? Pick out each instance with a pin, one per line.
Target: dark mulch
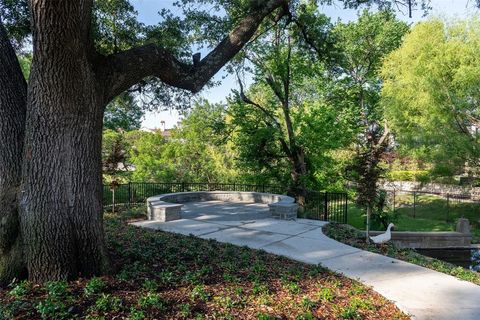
(159, 275)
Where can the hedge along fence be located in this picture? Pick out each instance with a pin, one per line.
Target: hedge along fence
(328, 206)
(409, 175)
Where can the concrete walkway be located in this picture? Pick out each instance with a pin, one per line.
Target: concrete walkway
(420, 292)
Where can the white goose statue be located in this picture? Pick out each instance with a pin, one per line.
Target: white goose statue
(384, 237)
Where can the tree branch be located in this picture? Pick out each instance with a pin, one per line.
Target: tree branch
(247, 100)
(270, 116)
(383, 138)
(124, 69)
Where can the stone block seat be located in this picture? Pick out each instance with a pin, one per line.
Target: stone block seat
(164, 211)
(167, 207)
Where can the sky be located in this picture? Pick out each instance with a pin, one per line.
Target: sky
(148, 14)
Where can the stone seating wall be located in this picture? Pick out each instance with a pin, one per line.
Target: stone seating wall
(167, 207)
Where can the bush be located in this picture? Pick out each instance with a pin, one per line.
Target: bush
(380, 219)
(52, 308)
(21, 289)
(409, 175)
(95, 285)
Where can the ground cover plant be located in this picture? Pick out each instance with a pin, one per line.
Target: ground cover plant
(355, 238)
(159, 275)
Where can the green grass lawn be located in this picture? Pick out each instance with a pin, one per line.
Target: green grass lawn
(161, 275)
(431, 214)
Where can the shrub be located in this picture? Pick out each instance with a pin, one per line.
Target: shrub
(307, 303)
(21, 289)
(94, 286)
(106, 303)
(326, 294)
(200, 293)
(56, 289)
(350, 312)
(409, 175)
(306, 316)
(136, 314)
(185, 309)
(151, 300)
(52, 308)
(150, 285)
(259, 288)
(264, 316)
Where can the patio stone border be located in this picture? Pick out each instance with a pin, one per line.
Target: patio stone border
(167, 207)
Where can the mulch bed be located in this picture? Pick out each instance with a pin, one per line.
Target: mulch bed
(159, 275)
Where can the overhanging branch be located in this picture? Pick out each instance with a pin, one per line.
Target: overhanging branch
(124, 69)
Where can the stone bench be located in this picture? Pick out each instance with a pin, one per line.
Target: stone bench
(168, 206)
(283, 210)
(163, 211)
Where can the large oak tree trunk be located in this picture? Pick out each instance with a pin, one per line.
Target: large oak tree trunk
(61, 200)
(12, 125)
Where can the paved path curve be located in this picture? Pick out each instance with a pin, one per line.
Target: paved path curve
(420, 292)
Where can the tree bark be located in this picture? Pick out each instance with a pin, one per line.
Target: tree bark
(12, 114)
(367, 232)
(299, 170)
(61, 195)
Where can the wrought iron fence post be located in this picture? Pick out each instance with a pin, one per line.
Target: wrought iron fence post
(414, 203)
(325, 209)
(113, 200)
(129, 194)
(448, 205)
(183, 186)
(393, 201)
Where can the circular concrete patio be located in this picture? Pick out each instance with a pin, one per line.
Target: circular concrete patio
(211, 211)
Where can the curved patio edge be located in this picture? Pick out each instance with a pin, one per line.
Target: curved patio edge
(167, 207)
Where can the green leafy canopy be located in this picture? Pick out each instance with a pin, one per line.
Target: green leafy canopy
(431, 92)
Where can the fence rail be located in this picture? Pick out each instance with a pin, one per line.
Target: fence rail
(328, 206)
(438, 206)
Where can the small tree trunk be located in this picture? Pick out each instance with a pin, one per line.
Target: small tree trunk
(299, 170)
(13, 92)
(369, 213)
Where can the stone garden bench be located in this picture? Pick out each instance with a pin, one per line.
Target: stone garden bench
(163, 211)
(167, 207)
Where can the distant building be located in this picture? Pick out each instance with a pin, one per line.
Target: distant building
(166, 133)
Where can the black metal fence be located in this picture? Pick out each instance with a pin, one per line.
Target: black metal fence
(328, 206)
(437, 206)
